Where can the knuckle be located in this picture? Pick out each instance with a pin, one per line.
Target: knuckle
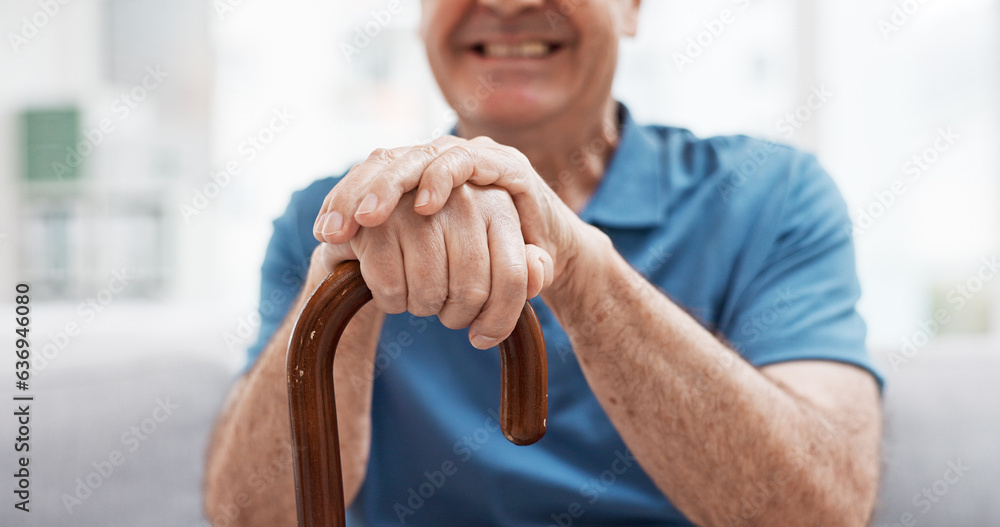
(419, 311)
(455, 158)
(512, 162)
(501, 208)
(388, 306)
(392, 299)
(427, 302)
(483, 140)
(471, 295)
(426, 151)
(380, 154)
(394, 292)
(509, 150)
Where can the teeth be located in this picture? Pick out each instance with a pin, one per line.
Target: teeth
(528, 50)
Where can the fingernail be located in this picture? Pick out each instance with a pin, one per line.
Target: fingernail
(482, 342)
(368, 204)
(332, 223)
(423, 198)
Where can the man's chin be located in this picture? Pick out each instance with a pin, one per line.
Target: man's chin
(511, 116)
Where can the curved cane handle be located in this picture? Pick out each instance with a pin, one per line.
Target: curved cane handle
(316, 446)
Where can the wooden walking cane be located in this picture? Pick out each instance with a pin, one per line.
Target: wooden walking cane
(318, 482)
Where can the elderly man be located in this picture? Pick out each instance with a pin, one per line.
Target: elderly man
(706, 362)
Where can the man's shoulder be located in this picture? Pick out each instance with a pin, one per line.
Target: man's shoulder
(731, 163)
(708, 156)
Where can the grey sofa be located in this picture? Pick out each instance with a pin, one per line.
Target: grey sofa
(942, 434)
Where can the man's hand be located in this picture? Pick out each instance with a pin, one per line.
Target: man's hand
(467, 264)
(435, 172)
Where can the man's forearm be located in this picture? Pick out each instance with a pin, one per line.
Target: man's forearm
(725, 443)
(249, 478)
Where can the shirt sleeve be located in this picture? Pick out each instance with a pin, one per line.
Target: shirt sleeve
(281, 279)
(800, 304)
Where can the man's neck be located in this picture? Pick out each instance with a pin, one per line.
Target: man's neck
(570, 152)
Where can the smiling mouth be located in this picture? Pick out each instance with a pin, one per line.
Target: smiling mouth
(535, 49)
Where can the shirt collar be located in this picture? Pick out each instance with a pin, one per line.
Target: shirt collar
(633, 191)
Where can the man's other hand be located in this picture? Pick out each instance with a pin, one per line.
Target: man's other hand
(436, 173)
(467, 263)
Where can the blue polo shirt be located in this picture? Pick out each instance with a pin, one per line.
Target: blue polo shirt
(751, 238)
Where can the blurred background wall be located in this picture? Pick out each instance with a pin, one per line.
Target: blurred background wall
(151, 143)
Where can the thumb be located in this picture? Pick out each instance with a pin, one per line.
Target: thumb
(540, 269)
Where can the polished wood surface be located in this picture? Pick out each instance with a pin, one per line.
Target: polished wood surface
(318, 482)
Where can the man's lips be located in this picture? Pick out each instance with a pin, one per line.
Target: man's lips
(527, 49)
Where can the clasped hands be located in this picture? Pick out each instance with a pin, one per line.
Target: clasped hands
(462, 229)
